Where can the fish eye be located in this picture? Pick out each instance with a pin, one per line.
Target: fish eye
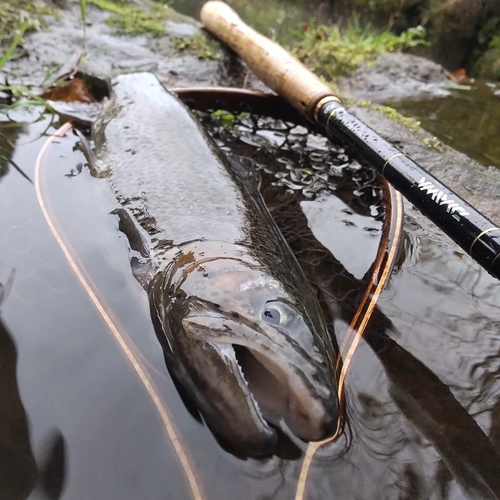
(274, 315)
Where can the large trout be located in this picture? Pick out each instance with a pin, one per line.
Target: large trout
(241, 330)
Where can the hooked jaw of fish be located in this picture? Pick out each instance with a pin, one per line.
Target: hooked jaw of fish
(280, 385)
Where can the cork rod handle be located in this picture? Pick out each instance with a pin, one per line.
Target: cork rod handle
(270, 62)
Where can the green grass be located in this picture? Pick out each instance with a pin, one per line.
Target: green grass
(83, 15)
(129, 19)
(22, 97)
(334, 52)
(201, 45)
(9, 53)
(17, 18)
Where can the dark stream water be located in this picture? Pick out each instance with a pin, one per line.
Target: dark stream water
(423, 391)
(467, 120)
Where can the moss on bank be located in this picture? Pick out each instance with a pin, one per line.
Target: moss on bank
(393, 114)
(333, 52)
(200, 45)
(409, 123)
(129, 19)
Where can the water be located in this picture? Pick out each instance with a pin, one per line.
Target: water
(72, 380)
(75, 390)
(466, 120)
(422, 390)
(413, 387)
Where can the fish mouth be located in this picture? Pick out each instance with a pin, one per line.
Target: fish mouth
(282, 397)
(279, 393)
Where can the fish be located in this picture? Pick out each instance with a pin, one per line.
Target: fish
(241, 330)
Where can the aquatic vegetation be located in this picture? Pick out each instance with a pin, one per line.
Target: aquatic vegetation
(227, 119)
(223, 117)
(331, 50)
(201, 45)
(129, 19)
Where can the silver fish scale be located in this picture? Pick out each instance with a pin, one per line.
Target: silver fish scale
(189, 192)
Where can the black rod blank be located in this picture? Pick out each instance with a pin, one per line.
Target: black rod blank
(471, 230)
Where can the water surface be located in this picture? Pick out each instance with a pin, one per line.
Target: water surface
(421, 389)
(467, 120)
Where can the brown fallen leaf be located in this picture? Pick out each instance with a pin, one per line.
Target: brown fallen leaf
(74, 90)
(460, 76)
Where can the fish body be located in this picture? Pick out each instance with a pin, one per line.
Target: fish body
(240, 327)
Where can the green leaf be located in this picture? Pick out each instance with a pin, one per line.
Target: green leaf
(15, 42)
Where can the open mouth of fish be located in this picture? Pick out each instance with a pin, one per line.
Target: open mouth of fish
(280, 395)
(277, 386)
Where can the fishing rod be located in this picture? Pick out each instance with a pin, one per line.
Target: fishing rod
(288, 77)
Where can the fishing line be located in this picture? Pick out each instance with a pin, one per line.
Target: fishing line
(117, 330)
(380, 275)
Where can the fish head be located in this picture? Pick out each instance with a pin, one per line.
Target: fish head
(250, 336)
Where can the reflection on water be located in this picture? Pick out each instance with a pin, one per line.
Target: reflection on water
(18, 469)
(422, 392)
(466, 120)
(9, 132)
(70, 374)
(387, 455)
